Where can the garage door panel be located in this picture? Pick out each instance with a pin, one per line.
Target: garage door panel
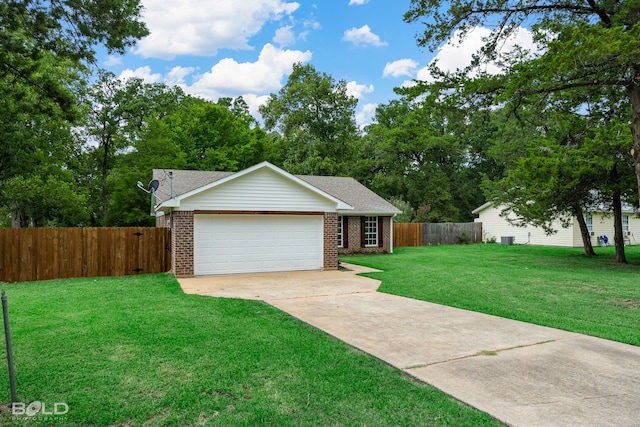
(226, 244)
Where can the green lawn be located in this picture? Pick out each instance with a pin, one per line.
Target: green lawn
(136, 351)
(555, 287)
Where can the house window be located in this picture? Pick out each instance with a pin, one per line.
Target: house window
(588, 218)
(625, 225)
(371, 231)
(340, 232)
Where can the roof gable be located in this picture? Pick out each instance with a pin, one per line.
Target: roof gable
(350, 196)
(246, 184)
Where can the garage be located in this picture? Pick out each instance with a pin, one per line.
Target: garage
(226, 244)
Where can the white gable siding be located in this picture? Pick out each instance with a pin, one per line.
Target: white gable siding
(494, 226)
(263, 190)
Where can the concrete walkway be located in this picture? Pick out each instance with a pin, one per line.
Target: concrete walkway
(522, 374)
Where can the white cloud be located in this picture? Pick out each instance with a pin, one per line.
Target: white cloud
(143, 73)
(401, 67)
(457, 54)
(112, 60)
(284, 36)
(254, 102)
(198, 27)
(357, 91)
(362, 36)
(230, 78)
(176, 76)
(254, 81)
(357, 2)
(365, 116)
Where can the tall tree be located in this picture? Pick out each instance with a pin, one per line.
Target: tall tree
(217, 136)
(416, 158)
(590, 44)
(197, 134)
(33, 31)
(316, 119)
(567, 165)
(117, 114)
(47, 48)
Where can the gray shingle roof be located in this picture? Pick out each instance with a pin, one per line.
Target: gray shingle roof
(348, 190)
(183, 181)
(352, 192)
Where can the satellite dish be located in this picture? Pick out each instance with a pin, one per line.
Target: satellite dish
(153, 185)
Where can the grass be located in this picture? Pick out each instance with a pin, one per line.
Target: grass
(556, 287)
(136, 351)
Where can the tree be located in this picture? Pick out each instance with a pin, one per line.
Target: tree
(118, 112)
(567, 165)
(37, 147)
(316, 119)
(419, 155)
(128, 205)
(46, 49)
(590, 44)
(36, 31)
(38, 201)
(197, 134)
(217, 136)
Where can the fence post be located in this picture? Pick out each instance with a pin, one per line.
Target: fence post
(7, 335)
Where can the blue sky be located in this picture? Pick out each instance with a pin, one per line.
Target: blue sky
(248, 47)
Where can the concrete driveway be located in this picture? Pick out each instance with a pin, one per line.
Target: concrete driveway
(522, 374)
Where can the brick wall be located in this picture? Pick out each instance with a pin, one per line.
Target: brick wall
(354, 237)
(182, 243)
(162, 221)
(330, 241)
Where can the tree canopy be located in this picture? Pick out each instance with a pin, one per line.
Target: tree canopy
(583, 45)
(315, 118)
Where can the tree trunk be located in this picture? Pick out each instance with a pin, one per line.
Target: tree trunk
(18, 218)
(105, 173)
(617, 226)
(634, 92)
(584, 232)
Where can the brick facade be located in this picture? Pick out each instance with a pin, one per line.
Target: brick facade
(354, 237)
(330, 241)
(182, 243)
(162, 221)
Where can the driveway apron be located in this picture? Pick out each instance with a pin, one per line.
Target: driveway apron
(522, 374)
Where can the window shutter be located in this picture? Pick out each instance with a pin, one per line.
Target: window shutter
(380, 233)
(345, 231)
(362, 225)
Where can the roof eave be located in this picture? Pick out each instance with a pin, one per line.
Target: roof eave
(481, 208)
(370, 213)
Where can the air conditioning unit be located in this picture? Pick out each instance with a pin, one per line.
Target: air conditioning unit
(507, 240)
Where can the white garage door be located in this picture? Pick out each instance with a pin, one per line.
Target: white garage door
(225, 244)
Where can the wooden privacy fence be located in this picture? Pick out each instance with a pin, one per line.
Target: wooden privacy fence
(28, 254)
(428, 234)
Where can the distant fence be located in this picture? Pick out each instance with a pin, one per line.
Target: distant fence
(428, 234)
(28, 254)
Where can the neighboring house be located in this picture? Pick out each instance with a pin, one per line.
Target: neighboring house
(599, 223)
(264, 219)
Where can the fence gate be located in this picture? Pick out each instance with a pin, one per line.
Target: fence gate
(28, 254)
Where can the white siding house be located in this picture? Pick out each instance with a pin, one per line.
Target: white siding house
(599, 223)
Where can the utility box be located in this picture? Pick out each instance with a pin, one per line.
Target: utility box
(507, 240)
